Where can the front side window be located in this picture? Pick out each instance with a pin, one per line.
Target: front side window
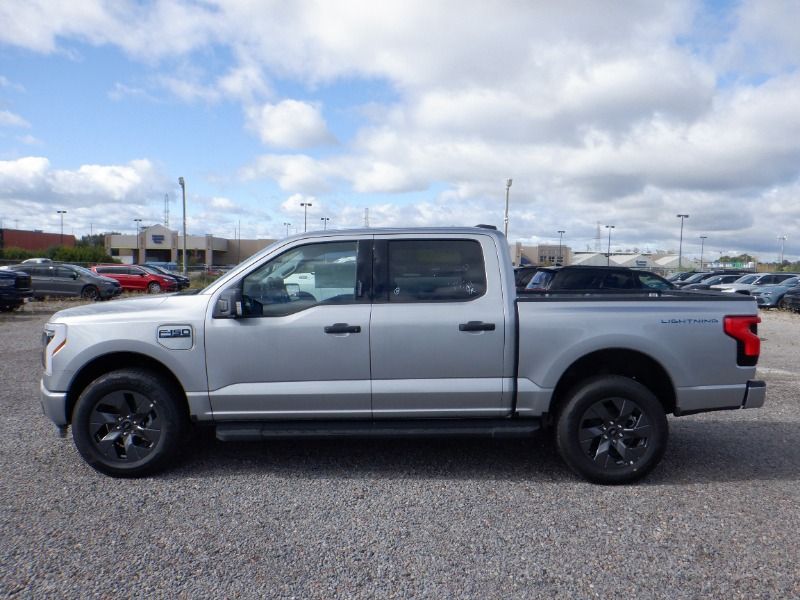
(64, 273)
(302, 277)
(651, 281)
(435, 270)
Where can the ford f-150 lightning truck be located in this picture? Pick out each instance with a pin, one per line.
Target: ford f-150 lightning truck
(399, 332)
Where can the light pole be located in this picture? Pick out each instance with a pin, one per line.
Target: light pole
(138, 252)
(183, 191)
(680, 244)
(61, 239)
(703, 239)
(324, 222)
(305, 206)
(782, 240)
(561, 233)
(285, 224)
(505, 221)
(608, 255)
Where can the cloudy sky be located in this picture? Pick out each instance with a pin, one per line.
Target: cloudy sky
(623, 113)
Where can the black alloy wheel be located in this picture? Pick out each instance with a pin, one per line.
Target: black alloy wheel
(90, 293)
(612, 430)
(127, 423)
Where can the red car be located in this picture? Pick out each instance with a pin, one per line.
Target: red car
(135, 278)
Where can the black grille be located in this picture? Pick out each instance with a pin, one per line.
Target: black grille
(23, 281)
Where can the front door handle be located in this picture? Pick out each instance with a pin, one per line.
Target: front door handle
(342, 328)
(476, 326)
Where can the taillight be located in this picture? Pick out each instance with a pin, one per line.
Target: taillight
(744, 329)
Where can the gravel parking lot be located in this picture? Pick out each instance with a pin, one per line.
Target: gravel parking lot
(720, 517)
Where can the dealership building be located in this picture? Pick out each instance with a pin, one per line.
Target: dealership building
(158, 243)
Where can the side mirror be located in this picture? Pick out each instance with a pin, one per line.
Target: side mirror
(229, 304)
(74, 275)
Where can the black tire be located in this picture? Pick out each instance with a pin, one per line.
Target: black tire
(127, 423)
(782, 304)
(90, 292)
(154, 287)
(611, 430)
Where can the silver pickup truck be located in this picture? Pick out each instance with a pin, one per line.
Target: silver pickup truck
(405, 332)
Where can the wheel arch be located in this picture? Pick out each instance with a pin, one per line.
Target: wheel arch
(113, 362)
(633, 364)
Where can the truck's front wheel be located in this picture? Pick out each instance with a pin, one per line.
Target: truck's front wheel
(127, 423)
(611, 430)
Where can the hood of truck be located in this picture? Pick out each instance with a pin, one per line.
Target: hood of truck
(139, 309)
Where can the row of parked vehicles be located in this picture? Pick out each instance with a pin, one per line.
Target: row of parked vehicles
(40, 278)
(770, 290)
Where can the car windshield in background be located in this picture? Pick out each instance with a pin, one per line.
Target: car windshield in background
(540, 280)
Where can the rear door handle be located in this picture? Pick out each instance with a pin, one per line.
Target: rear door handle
(476, 326)
(342, 328)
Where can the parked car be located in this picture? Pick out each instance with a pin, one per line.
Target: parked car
(680, 276)
(180, 280)
(15, 289)
(135, 278)
(522, 276)
(37, 261)
(706, 283)
(577, 277)
(744, 284)
(791, 299)
(771, 296)
(702, 276)
(49, 279)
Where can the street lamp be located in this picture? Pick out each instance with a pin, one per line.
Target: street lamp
(680, 244)
(305, 206)
(608, 255)
(324, 222)
(61, 239)
(703, 239)
(138, 252)
(505, 221)
(782, 240)
(182, 183)
(561, 233)
(285, 224)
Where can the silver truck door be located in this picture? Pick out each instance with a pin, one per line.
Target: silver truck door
(438, 328)
(301, 348)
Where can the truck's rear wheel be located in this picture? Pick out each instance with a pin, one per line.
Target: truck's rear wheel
(612, 430)
(127, 423)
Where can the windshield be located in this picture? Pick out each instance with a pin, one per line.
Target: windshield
(747, 279)
(540, 280)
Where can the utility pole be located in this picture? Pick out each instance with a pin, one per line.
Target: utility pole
(61, 239)
(561, 233)
(680, 244)
(138, 251)
(703, 239)
(608, 255)
(182, 183)
(505, 219)
(285, 224)
(305, 206)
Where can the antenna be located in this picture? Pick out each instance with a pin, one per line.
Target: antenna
(166, 210)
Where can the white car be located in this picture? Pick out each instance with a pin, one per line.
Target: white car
(745, 283)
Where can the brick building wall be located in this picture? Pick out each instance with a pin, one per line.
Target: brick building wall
(33, 240)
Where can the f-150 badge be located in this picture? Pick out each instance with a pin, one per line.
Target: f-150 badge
(175, 337)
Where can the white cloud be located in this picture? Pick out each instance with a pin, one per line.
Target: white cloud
(222, 203)
(289, 124)
(294, 173)
(9, 119)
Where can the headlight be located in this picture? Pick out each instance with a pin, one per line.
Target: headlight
(6, 282)
(54, 337)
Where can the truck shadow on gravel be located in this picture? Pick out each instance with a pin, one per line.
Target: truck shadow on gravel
(699, 452)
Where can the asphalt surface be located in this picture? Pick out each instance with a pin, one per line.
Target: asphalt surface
(720, 517)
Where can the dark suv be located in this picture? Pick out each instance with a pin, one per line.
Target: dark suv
(15, 289)
(577, 277)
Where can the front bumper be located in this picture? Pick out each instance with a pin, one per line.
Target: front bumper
(54, 405)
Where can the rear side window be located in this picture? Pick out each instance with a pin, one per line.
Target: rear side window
(577, 279)
(436, 271)
(618, 281)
